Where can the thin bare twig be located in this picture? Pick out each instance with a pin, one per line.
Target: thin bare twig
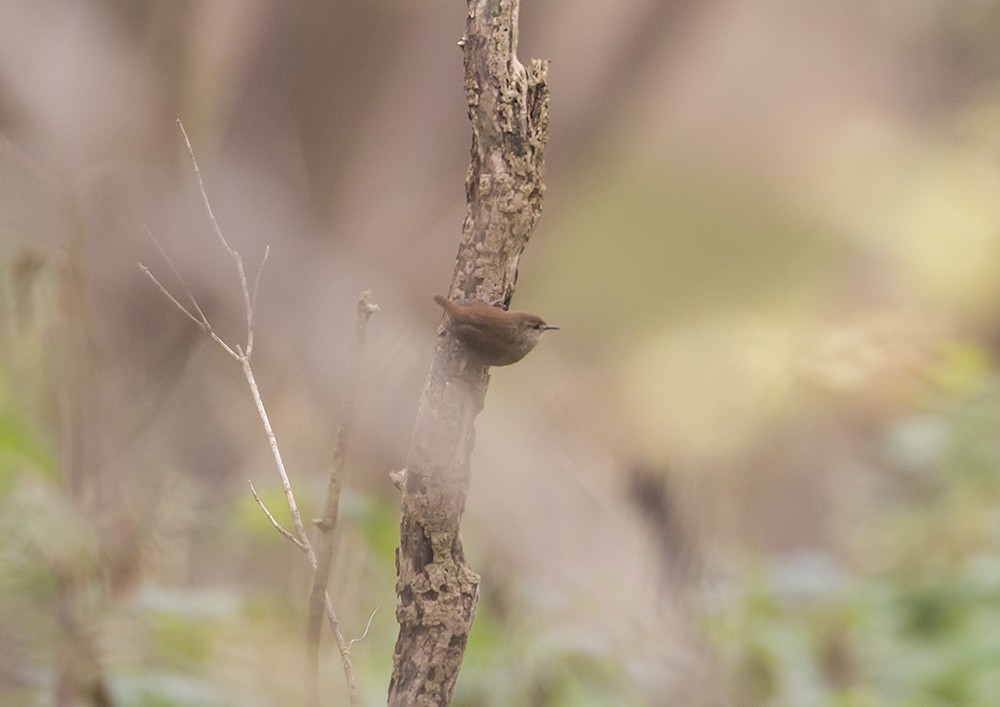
(237, 258)
(300, 537)
(201, 320)
(166, 293)
(275, 523)
(253, 301)
(286, 485)
(363, 635)
(180, 278)
(204, 195)
(203, 325)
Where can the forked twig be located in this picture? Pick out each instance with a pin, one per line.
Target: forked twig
(242, 355)
(275, 523)
(201, 320)
(180, 278)
(166, 293)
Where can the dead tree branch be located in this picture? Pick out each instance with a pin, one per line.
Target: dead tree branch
(509, 110)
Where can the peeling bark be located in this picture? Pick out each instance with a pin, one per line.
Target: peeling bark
(438, 592)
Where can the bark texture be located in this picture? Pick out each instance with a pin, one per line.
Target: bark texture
(437, 591)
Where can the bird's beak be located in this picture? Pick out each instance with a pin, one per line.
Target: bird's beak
(551, 326)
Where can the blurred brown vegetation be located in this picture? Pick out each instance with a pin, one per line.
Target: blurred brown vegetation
(757, 465)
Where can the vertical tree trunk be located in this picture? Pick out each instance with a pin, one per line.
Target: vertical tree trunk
(508, 108)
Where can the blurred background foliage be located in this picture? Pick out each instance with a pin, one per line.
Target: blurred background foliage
(758, 465)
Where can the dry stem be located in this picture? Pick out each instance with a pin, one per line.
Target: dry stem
(328, 523)
(242, 355)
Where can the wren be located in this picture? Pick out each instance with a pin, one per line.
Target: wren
(493, 335)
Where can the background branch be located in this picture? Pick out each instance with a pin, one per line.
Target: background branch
(327, 524)
(320, 601)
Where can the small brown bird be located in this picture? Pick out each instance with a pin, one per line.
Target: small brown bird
(492, 334)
